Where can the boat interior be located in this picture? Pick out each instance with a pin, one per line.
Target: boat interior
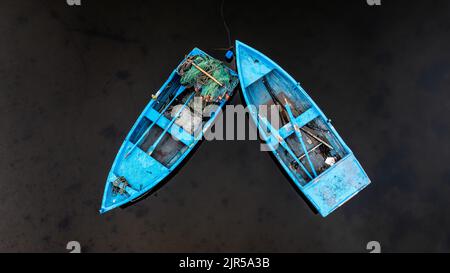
(178, 106)
(322, 147)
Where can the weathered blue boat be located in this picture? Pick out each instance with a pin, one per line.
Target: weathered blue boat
(169, 128)
(305, 143)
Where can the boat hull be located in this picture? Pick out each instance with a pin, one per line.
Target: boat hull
(325, 187)
(157, 146)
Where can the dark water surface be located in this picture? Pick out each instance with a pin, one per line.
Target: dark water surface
(74, 79)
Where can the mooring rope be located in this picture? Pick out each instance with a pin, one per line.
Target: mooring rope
(227, 28)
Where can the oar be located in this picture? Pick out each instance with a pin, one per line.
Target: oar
(123, 186)
(299, 136)
(317, 138)
(206, 73)
(180, 90)
(153, 147)
(311, 150)
(284, 144)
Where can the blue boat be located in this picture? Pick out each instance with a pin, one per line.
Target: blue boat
(304, 143)
(169, 129)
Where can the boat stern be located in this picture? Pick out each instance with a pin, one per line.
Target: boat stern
(337, 185)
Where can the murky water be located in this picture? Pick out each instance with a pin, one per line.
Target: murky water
(73, 80)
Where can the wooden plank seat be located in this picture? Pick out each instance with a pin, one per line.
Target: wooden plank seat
(175, 130)
(303, 119)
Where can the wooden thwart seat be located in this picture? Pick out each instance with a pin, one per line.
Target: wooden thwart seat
(304, 118)
(176, 131)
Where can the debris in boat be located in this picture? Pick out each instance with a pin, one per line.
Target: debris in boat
(120, 185)
(317, 138)
(330, 161)
(207, 75)
(265, 83)
(189, 120)
(310, 151)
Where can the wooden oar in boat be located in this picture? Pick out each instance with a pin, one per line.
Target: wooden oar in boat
(204, 72)
(298, 133)
(317, 138)
(284, 115)
(180, 90)
(275, 99)
(336, 183)
(283, 143)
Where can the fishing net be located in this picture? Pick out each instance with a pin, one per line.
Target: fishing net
(206, 75)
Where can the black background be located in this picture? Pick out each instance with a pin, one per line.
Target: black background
(74, 79)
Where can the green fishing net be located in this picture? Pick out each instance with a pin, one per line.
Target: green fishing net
(192, 76)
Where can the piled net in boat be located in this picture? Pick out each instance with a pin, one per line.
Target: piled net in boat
(206, 83)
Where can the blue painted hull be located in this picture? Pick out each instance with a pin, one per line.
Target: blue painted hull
(306, 145)
(156, 145)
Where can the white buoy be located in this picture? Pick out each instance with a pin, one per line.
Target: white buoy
(330, 161)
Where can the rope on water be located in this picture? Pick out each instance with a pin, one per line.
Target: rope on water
(227, 29)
